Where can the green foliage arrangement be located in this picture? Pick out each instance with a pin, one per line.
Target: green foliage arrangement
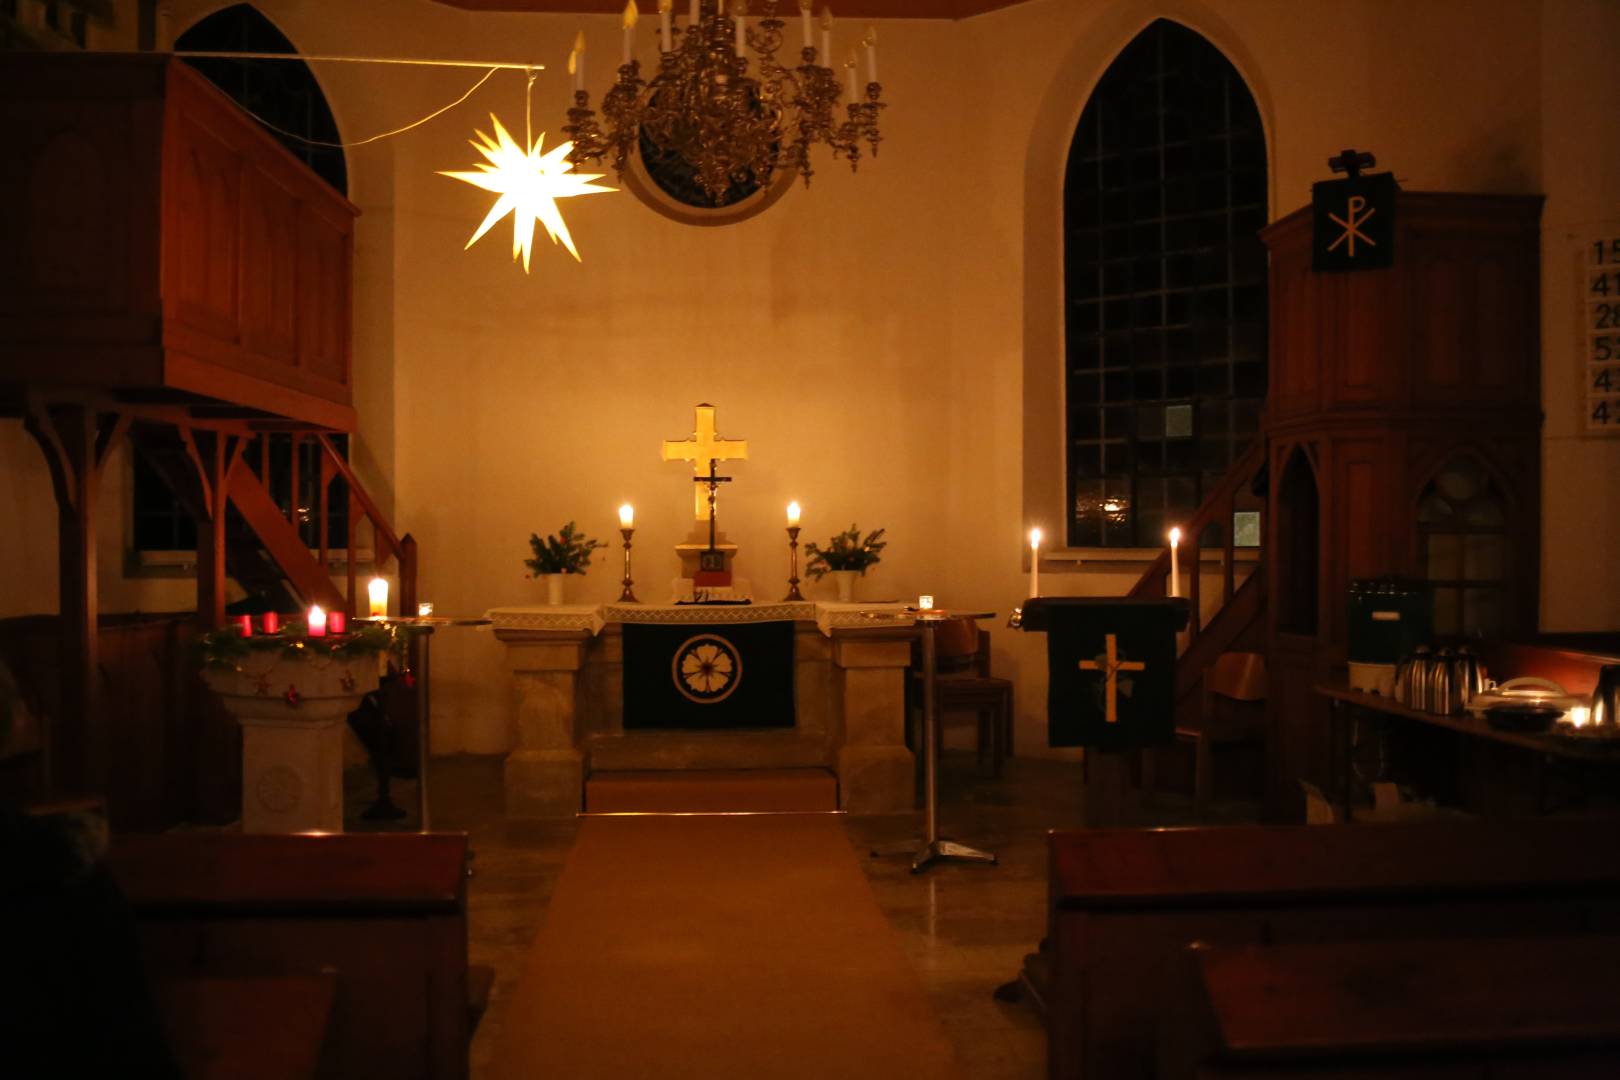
(846, 551)
(564, 552)
(227, 648)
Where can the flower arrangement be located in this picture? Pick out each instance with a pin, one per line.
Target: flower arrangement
(845, 551)
(564, 552)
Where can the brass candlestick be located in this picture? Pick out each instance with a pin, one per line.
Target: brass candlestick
(627, 597)
(793, 564)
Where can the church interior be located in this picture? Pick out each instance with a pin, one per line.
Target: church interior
(1088, 556)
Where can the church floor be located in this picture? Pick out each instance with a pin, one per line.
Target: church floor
(965, 929)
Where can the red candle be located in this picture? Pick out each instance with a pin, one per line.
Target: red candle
(317, 622)
(337, 622)
(244, 623)
(272, 622)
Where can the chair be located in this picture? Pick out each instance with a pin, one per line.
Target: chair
(1234, 677)
(965, 685)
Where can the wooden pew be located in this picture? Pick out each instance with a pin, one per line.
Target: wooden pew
(1125, 904)
(217, 1028)
(1472, 1009)
(387, 913)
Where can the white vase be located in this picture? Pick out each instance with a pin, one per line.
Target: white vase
(554, 588)
(845, 580)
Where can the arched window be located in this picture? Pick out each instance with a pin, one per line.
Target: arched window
(1165, 282)
(281, 93)
(1462, 528)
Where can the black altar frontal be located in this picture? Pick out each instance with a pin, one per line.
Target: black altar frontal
(1111, 668)
(692, 676)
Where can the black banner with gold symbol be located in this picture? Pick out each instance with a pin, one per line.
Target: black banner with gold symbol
(1110, 669)
(1353, 223)
(697, 676)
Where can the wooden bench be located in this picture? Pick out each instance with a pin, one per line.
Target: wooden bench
(218, 1031)
(385, 913)
(1125, 904)
(1460, 1009)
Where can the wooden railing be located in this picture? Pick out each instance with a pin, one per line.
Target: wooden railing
(1214, 515)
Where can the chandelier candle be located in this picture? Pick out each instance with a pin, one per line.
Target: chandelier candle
(576, 61)
(631, 16)
(806, 19)
(870, 41)
(665, 32)
(826, 34)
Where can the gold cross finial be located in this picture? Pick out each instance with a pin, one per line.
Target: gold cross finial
(1112, 666)
(702, 448)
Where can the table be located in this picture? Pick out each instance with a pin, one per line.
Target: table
(936, 849)
(1343, 700)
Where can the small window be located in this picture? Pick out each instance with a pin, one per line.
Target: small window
(1466, 550)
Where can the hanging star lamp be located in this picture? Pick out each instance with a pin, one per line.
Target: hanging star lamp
(529, 183)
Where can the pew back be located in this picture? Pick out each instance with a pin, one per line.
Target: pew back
(385, 912)
(1125, 904)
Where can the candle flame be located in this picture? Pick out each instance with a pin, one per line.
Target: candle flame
(1034, 538)
(871, 36)
(630, 15)
(1175, 536)
(1580, 715)
(627, 516)
(579, 42)
(793, 513)
(826, 18)
(666, 6)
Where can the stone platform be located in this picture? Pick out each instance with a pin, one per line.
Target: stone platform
(567, 670)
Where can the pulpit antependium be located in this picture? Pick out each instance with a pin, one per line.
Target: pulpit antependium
(836, 699)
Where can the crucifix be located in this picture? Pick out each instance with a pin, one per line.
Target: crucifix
(703, 449)
(1113, 665)
(712, 559)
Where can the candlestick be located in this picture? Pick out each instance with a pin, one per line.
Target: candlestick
(1034, 562)
(378, 594)
(631, 15)
(317, 622)
(626, 597)
(337, 622)
(793, 554)
(244, 623)
(272, 623)
(1175, 563)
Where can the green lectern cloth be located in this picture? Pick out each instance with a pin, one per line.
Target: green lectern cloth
(1111, 667)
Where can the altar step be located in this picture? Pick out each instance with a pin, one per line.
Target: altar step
(666, 750)
(711, 791)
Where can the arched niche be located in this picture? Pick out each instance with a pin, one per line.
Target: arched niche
(1465, 539)
(1298, 546)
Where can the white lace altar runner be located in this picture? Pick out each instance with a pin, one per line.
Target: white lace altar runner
(827, 615)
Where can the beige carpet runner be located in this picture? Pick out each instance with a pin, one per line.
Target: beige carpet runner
(717, 947)
(711, 791)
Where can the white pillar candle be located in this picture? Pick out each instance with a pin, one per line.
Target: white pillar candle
(378, 593)
(627, 516)
(826, 36)
(1175, 565)
(740, 9)
(793, 513)
(871, 53)
(925, 603)
(424, 610)
(1034, 562)
(666, 16)
(317, 621)
(806, 21)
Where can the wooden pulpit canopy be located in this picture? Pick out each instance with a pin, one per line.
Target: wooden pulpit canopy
(163, 249)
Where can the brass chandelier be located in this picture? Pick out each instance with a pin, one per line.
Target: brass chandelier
(733, 119)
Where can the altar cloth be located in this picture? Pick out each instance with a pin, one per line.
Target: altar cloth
(827, 615)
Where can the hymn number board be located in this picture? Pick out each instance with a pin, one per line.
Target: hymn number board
(1600, 332)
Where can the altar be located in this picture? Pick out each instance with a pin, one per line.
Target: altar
(845, 679)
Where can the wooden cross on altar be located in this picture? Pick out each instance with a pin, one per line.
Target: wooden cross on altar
(703, 449)
(1112, 666)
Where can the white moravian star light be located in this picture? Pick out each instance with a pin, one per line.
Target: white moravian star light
(529, 184)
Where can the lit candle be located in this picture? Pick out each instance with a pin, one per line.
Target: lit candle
(793, 514)
(826, 36)
(1175, 563)
(424, 610)
(925, 603)
(627, 516)
(337, 622)
(1034, 562)
(244, 623)
(317, 622)
(378, 590)
(272, 622)
(693, 19)
(740, 9)
(871, 53)
(849, 68)
(630, 17)
(573, 69)
(576, 61)
(666, 34)
(1579, 715)
(806, 19)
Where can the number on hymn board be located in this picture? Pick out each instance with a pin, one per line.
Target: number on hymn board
(1601, 330)
(1606, 252)
(1603, 379)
